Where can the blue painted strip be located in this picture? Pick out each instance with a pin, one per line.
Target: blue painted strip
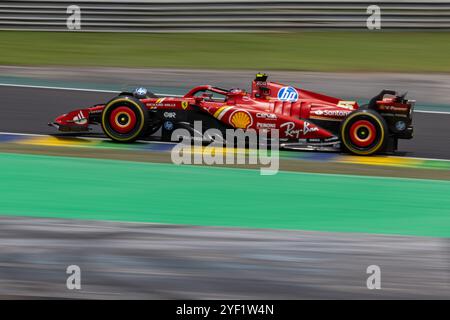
(10, 138)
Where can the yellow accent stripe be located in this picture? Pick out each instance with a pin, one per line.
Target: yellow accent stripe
(220, 112)
(380, 161)
(57, 142)
(217, 150)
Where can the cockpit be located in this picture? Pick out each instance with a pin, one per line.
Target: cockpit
(214, 94)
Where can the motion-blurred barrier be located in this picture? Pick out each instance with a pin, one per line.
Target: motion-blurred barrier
(231, 15)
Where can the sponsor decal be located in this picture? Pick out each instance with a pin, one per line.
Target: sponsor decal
(160, 103)
(156, 105)
(184, 104)
(288, 94)
(80, 118)
(290, 130)
(332, 113)
(241, 119)
(265, 125)
(170, 115)
(268, 116)
(307, 128)
(168, 125)
(293, 132)
(393, 108)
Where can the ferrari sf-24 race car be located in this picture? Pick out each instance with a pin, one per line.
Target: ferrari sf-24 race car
(306, 120)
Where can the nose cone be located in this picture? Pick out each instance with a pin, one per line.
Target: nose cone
(61, 119)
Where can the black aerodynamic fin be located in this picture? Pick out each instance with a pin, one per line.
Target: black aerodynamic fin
(373, 102)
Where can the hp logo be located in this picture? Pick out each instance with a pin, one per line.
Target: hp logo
(288, 94)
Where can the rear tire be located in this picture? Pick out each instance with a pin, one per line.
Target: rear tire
(125, 119)
(363, 132)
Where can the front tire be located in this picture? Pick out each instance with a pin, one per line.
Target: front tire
(124, 119)
(364, 132)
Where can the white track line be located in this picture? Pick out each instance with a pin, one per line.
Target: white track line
(435, 112)
(56, 88)
(74, 89)
(159, 94)
(416, 158)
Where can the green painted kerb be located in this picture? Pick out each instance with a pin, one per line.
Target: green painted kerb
(45, 186)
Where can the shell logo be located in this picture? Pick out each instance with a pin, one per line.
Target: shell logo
(241, 119)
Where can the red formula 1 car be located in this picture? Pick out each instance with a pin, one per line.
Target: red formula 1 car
(306, 120)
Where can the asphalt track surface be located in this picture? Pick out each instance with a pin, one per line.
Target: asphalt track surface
(28, 110)
(151, 261)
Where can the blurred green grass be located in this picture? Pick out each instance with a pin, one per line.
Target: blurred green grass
(309, 51)
(101, 189)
